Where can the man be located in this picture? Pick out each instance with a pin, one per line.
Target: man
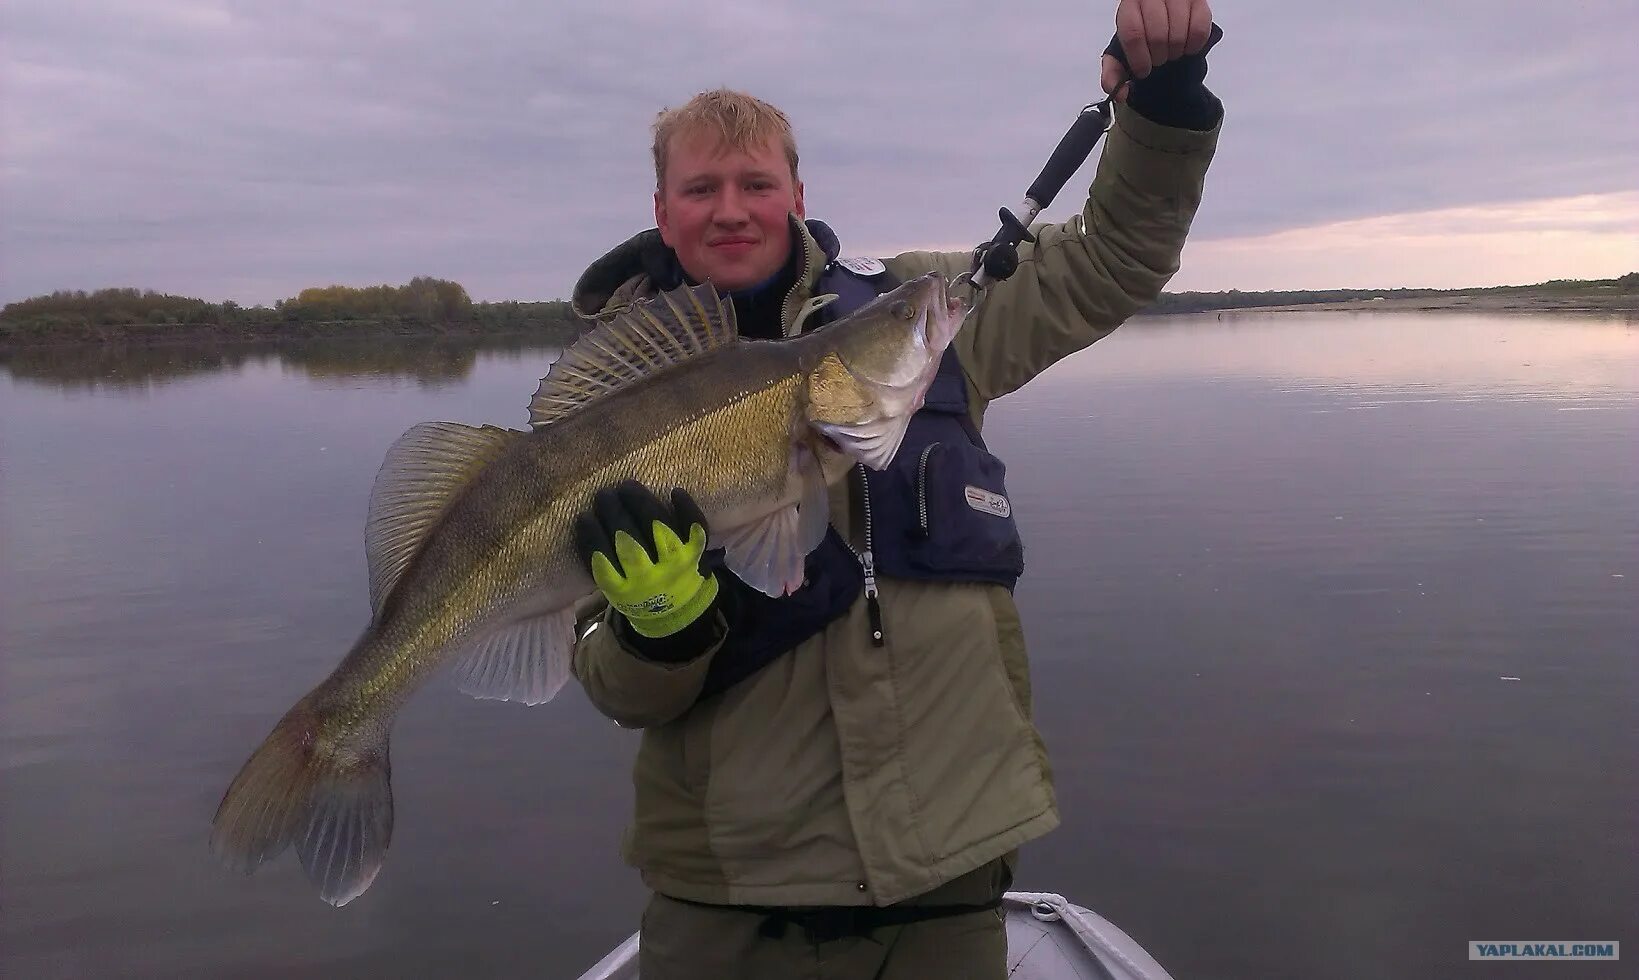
(835, 783)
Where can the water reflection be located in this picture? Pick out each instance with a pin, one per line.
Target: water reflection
(1456, 353)
(1276, 570)
(117, 367)
(429, 361)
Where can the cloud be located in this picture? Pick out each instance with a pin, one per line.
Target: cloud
(1594, 236)
(242, 150)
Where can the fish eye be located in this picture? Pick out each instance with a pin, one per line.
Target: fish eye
(902, 310)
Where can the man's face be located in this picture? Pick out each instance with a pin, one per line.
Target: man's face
(723, 211)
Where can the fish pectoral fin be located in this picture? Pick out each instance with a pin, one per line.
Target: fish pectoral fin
(423, 473)
(771, 554)
(814, 512)
(767, 554)
(526, 660)
(873, 442)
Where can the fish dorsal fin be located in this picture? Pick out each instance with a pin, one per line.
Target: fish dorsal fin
(653, 334)
(423, 473)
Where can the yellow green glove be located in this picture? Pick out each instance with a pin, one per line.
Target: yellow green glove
(645, 557)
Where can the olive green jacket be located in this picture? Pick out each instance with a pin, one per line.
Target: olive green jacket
(847, 774)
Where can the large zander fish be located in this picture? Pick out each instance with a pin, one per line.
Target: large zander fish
(470, 534)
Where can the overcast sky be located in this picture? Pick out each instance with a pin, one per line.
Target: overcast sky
(244, 150)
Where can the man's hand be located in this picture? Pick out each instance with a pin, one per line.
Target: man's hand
(645, 557)
(1152, 33)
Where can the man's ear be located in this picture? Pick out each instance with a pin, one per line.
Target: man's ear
(801, 211)
(661, 218)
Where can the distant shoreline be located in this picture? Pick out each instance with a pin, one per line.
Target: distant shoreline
(350, 331)
(355, 332)
(1470, 303)
(552, 323)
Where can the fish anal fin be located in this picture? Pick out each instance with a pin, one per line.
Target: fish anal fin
(422, 474)
(652, 334)
(525, 660)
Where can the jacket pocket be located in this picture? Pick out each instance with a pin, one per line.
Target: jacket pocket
(960, 521)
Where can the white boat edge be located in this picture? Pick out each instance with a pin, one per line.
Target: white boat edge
(1048, 938)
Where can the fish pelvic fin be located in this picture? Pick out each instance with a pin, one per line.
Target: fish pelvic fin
(425, 470)
(332, 801)
(653, 334)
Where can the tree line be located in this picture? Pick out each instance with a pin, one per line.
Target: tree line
(421, 306)
(426, 305)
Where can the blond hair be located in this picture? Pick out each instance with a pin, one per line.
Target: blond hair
(738, 121)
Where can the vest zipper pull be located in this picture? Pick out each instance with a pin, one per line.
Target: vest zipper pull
(867, 561)
(872, 607)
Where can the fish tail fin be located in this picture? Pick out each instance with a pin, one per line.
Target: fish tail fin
(331, 798)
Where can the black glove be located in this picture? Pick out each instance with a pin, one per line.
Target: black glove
(1174, 94)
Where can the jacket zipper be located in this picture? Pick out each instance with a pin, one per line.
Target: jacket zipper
(807, 261)
(922, 489)
(867, 562)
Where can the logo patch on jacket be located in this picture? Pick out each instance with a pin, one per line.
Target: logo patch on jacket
(985, 502)
(863, 266)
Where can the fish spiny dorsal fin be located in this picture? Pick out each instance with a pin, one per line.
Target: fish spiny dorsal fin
(423, 473)
(653, 334)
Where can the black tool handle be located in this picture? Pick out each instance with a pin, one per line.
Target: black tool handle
(1073, 151)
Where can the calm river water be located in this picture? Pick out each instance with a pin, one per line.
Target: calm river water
(1334, 619)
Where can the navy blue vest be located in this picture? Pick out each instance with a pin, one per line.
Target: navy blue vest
(939, 512)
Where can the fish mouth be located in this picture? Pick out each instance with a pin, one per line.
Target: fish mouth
(942, 316)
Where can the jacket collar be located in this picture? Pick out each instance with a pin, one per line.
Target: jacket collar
(643, 265)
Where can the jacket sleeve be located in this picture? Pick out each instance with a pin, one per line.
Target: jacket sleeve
(1082, 278)
(633, 690)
